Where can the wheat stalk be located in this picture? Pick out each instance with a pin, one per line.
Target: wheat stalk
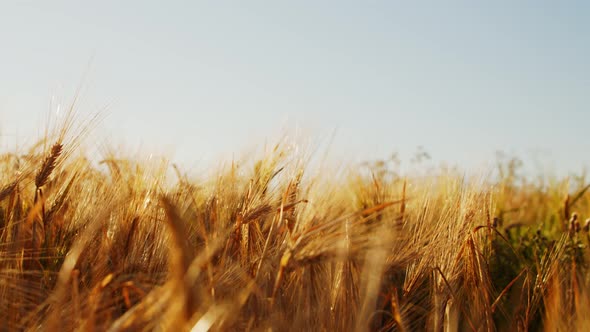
(48, 165)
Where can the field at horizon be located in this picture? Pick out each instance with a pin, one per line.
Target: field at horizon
(263, 243)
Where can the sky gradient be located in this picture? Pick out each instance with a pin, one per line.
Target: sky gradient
(205, 79)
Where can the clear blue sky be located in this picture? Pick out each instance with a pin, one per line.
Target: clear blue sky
(207, 78)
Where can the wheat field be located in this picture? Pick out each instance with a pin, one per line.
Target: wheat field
(266, 244)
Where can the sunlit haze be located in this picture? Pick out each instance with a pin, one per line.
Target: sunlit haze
(206, 79)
